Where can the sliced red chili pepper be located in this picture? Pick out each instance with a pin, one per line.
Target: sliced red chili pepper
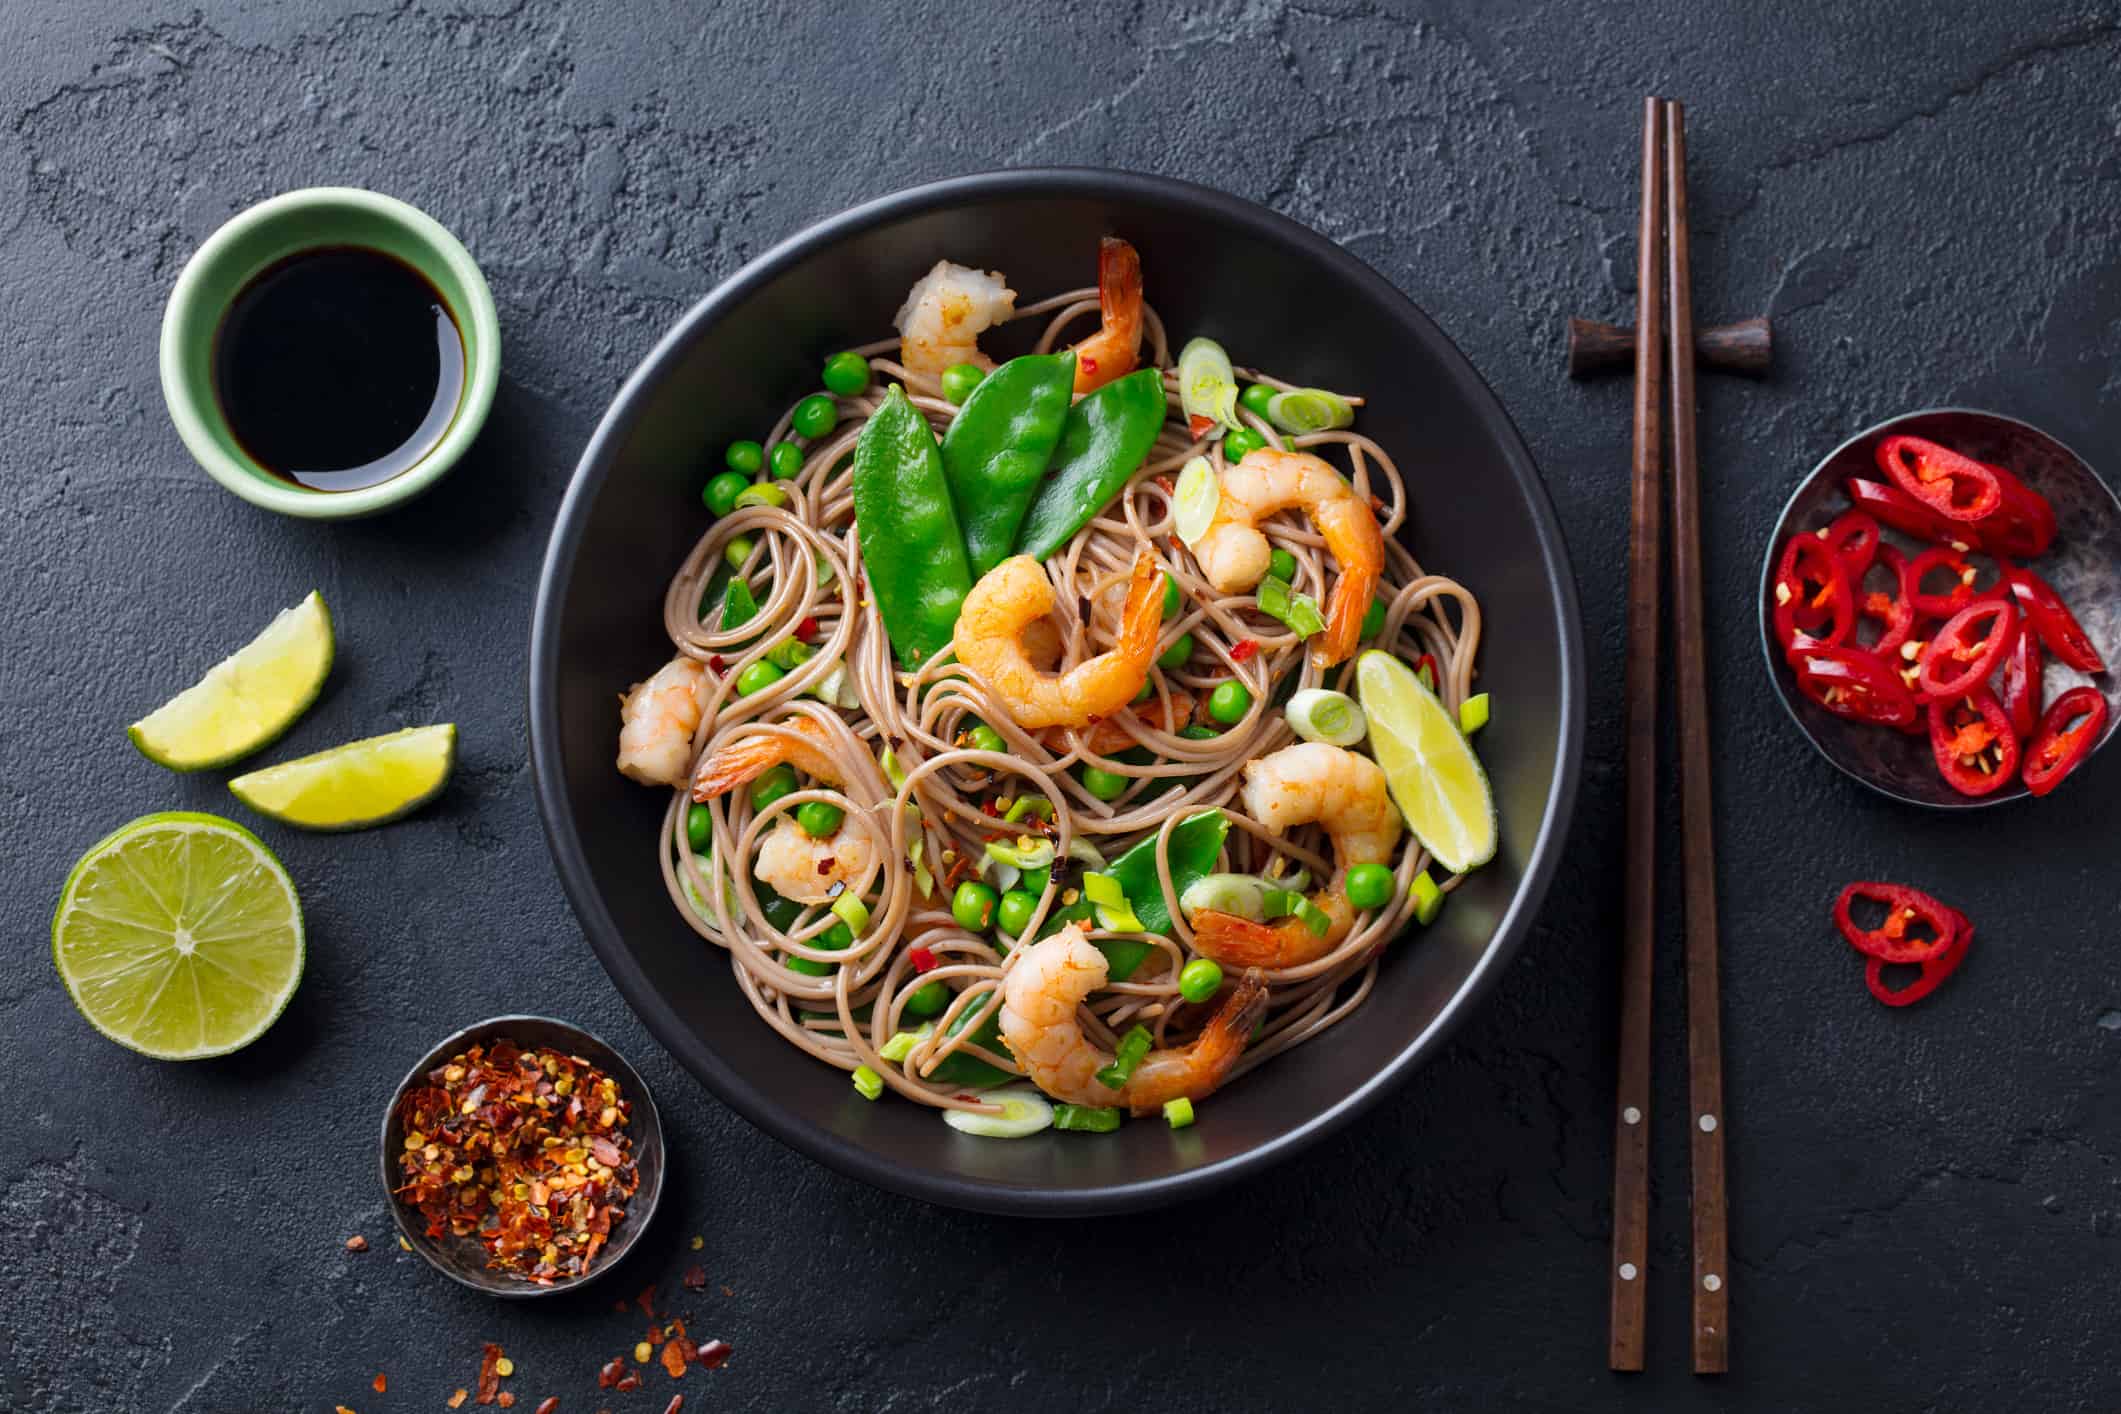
(1949, 600)
(1934, 969)
(1242, 650)
(2068, 732)
(1889, 505)
(1894, 609)
(1963, 653)
(1915, 926)
(923, 959)
(2051, 619)
(1854, 538)
(2020, 688)
(1425, 669)
(1954, 486)
(1854, 683)
(1962, 736)
(1812, 589)
(2024, 524)
(806, 631)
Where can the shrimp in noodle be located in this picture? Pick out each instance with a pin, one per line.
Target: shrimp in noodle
(656, 723)
(1014, 595)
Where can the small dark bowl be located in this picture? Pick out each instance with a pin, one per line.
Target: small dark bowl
(460, 1258)
(2084, 565)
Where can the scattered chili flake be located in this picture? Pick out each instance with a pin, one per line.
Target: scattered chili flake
(989, 807)
(716, 662)
(380, 1383)
(727, 1292)
(629, 1381)
(1164, 480)
(715, 1353)
(506, 1400)
(807, 629)
(489, 1373)
(548, 1405)
(676, 1351)
(1242, 650)
(357, 1243)
(456, 1401)
(655, 1335)
(923, 959)
(696, 1276)
(500, 1146)
(609, 1375)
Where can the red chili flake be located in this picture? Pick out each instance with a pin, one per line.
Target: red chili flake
(506, 1400)
(677, 1402)
(628, 1382)
(923, 959)
(715, 1353)
(1170, 486)
(727, 1292)
(646, 1301)
(489, 1375)
(824, 866)
(654, 1336)
(381, 1384)
(549, 1405)
(806, 631)
(1242, 650)
(456, 1401)
(716, 663)
(609, 1375)
(675, 1353)
(989, 807)
(1089, 364)
(357, 1243)
(696, 1276)
(1197, 427)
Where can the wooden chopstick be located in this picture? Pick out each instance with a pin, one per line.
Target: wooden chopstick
(1712, 1270)
(1631, 1109)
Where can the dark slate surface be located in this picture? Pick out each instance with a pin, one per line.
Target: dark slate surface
(1926, 1213)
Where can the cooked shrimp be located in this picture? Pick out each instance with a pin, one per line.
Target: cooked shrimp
(1000, 611)
(748, 758)
(807, 870)
(1301, 785)
(1234, 555)
(1050, 979)
(1107, 736)
(1116, 346)
(656, 723)
(945, 313)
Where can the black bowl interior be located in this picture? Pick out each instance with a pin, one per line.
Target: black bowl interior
(461, 1259)
(2084, 565)
(1272, 292)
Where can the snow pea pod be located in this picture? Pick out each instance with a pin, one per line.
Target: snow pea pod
(1103, 442)
(910, 543)
(997, 449)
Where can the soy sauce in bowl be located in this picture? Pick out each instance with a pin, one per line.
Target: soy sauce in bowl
(338, 367)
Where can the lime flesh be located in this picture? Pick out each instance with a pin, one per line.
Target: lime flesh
(359, 784)
(179, 935)
(1435, 779)
(246, 700)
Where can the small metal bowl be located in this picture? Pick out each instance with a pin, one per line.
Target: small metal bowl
(2084, 565)
(461, 1259)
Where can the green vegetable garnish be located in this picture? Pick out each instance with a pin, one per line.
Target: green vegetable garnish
(1229, 702)
(959, 379)
(851, 911)
(1026, 853)
(814, 416)
(737, 551)
(1206, 385)
(721, 492)
(1013, 914)
(757, 677)
(1132, 1047)
(1255, 398)
(786, 461)
(1369, 885)
(1473, 713)
(902, 1043)
(1178, 1113)
(1241, 443)
(1176, 655)
(1200, 979)
(820, 819)
(1103, 784)
(1428, 899)
(1090, 1119)
(846, 374)
(1027, 805)
(772, 786)
(928, 1000)
(1282, 566)
(915, 555)
(1320, 714)
(1103, 441)
(764, 493)
(973, 905)
(996, 450)
(1303, 410)
(699, 827)
(868, 1082)
(744, 458)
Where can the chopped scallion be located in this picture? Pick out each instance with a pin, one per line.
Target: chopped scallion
(1028, 805)
(763, 493)
(1090, 1119)
(868, 1082)
(852, 912)
(1132, 1047)
(1178, 1113)
(1473, 713)
(1320, 714)
(902, 1043)
(1428, 899)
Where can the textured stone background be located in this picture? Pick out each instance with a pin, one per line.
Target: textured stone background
(1926, 1212)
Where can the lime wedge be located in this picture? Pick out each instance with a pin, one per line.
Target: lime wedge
(179, 935)
(1194, 500)
(356, 785)
(1301, 410)
(244, 701)
(1434, 776)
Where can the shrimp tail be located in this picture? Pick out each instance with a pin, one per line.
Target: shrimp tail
(1239, 942)
(1219, 1044)
(1119, 281)
(1142, 616)
(1115, 349)
(1345, 610)
(738, 762)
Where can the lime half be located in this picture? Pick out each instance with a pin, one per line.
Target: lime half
(359, 784)
(180, 936)
(244, 701)
(1194, 500)
(1435, 778)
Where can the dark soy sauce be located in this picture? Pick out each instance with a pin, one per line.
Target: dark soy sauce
(338, 368)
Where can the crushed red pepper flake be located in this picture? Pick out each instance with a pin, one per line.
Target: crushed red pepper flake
(548, 1405)
(628, 1382)
(489, 1373)
(715, 1354)
(696, 1276)
(646, 1301)
(613, 1369)
(456, 1401)
(502, 1145)
(727, 1292)
(507, 1400)
(676, 1352)
(677, 1402)
(923, 959)
(382, 1385)
(1242, 650)
(357, 1243)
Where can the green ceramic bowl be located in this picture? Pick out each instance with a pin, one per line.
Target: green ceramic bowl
(269, 232)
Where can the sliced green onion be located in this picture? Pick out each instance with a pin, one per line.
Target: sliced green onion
(1024, 1112)
(1103, 889)
(790, 654)
(1301, 410)
(902, 1043)
(737, 604)
(1090, 1119)
(1082, 852)
(1119, 918)
(1028, 805)
(1304, 616)
(1242, 895)
(1206, 385)
(1285, 903)
(1026, 853)
(1194, 500)
(1428, 899)
(922, 875)
(1274, 598)
(1473, 713)
(1178, 1113)
(737, 551)
(761, 493)
(868, 1082)
(836, 688)
(893, 771)
(1132, 1047)
(825, 574)
(852, 912)
(1320, 714)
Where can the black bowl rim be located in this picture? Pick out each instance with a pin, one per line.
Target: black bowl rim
(737, 1090)
(638, 1217)
(1770, 652)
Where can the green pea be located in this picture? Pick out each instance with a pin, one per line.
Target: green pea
(1282, 565)
(1229, 702)
(1200, 979)
(846, 374)
(786, 459)
(1176, 655)
(1171, 597)
(1103, 784)
(819, 818)
(721, 492)
(771, 787)
(699, 828)
(744, 458)
(973, 905)
(814, 416)
(1238, 443)
(1256, 397)
(986, 738)
(1015, 912)
(959, 379)
(1035, 880)
(929, 1000)
(737, 551)
(1373, 619)
(758, 676)
(1370, 886)
(1195, 731)
(837, 938)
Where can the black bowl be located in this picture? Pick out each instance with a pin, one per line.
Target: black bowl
(2084, 565)
(1215, 265)
(461, 1259)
